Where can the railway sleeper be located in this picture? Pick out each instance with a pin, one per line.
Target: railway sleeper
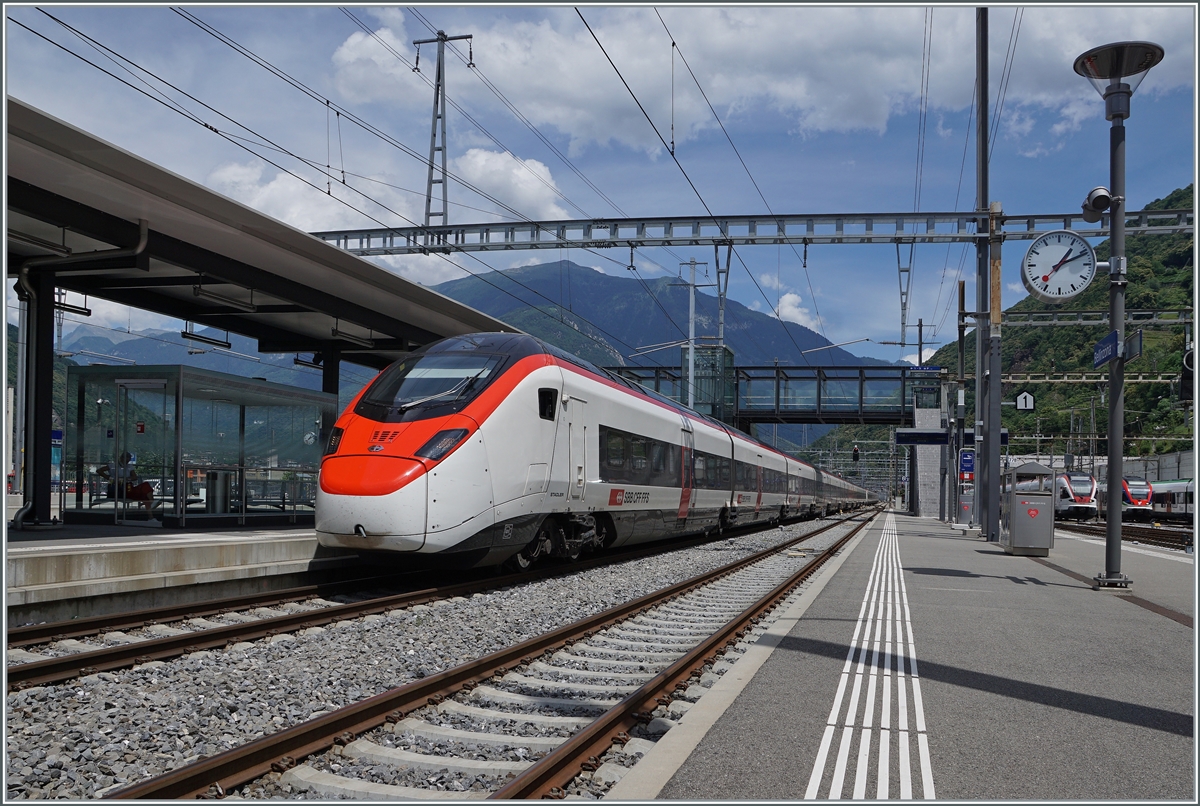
(593, 706)
(364, 750)
(602, 652)
(538, 666)
(534, 683)
(491, 714)
(615, 663)
(328, 785)
(441, 733)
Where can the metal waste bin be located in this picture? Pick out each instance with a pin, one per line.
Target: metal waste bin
(966, 508)
(1027, 510)
(218, 486)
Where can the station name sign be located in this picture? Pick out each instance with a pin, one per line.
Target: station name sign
(938, 436)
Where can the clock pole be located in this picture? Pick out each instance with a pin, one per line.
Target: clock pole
(1115, 71)
(1116, 316)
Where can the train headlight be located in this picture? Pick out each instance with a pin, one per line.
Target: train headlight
(441, 444)
(335, 439)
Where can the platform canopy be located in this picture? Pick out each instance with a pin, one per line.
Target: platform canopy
(70, 193)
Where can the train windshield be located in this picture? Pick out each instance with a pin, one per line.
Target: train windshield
(1138, 488)
(1082, 484)
(427, 385)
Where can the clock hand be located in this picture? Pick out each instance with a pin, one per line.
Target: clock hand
(1057, 266)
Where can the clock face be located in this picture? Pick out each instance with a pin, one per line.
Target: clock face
(1058, 266)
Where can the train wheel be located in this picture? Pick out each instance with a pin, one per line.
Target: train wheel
(521, 561)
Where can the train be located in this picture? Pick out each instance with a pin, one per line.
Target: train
(1174, 500)
(1075, 497)
(501, 449)
(1135, 499)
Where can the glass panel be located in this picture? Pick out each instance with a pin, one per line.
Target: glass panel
(757, 393)
(146, 463)
(881, 394)
(798, 394)
(839, 395)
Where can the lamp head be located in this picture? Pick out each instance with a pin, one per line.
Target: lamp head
(1118, 63)
(1098, 200)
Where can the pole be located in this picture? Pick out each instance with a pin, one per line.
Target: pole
(995, 308)
(692, 338)
(982, 482)
(438, 125)
(961, 411)
(1117, 106)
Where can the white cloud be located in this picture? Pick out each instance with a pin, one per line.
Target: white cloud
(287, 198)
(772, 282)
(525, 185)
(755, 306)
(826, 69)
(430, 269)
(912, 357)
(790, 310)
(1016, 288)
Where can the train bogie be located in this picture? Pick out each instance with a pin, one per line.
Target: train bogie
(496, 448)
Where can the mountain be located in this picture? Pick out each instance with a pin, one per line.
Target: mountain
(605, 318)
(1161, 276)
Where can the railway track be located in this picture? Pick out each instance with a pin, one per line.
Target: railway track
(525, 721)
(1151, 535)
(123, 640)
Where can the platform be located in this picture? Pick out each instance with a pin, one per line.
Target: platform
(83, 570)
(1014, 680)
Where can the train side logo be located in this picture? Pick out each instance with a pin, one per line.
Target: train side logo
(617, 498)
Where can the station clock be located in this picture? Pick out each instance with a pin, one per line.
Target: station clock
(1058, 266)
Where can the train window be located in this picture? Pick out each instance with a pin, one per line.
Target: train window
(632, 459)
(615, 445)
(637, 453)
(547, 398)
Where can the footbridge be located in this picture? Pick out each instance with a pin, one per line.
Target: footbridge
(832, 395)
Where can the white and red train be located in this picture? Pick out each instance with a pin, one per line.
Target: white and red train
(497, 448)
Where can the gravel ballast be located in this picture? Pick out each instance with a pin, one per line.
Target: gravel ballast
(109, 730)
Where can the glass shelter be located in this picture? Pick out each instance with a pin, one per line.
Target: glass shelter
(177, 446)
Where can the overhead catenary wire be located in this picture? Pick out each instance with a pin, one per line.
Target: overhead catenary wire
(778, 222)
(686, 177)
(311, 93)
(1010, 59)
(545, 140)
(194, 118)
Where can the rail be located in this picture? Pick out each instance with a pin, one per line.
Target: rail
(281, 750)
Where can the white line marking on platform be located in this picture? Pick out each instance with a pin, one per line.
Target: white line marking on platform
(884, 607)
(1162, 555)
(957, 590)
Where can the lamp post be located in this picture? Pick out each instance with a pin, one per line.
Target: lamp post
(1115, 71)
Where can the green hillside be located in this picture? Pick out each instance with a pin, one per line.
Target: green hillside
(1161, 277)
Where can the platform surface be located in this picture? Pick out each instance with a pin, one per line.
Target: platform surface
(1027, 684)
(82, 570)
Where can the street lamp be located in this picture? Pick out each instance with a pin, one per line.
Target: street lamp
(1115, 71)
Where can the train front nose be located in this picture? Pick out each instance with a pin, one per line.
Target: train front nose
(368, 502)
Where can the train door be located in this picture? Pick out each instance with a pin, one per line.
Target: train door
(577, 429)
(758, 498)
(687, 470)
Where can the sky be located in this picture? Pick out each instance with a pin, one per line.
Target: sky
(818, 109)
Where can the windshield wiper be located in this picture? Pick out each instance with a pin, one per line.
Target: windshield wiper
(457, 390)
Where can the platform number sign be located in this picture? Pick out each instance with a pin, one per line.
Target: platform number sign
(1024, 402)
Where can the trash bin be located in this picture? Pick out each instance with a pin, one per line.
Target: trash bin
(966, 509)
(1027, 510)
(218, 486)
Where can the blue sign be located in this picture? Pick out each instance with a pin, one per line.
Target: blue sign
(1105, 350)
(966, 462)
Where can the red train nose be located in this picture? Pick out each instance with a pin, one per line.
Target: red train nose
(367, 475)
